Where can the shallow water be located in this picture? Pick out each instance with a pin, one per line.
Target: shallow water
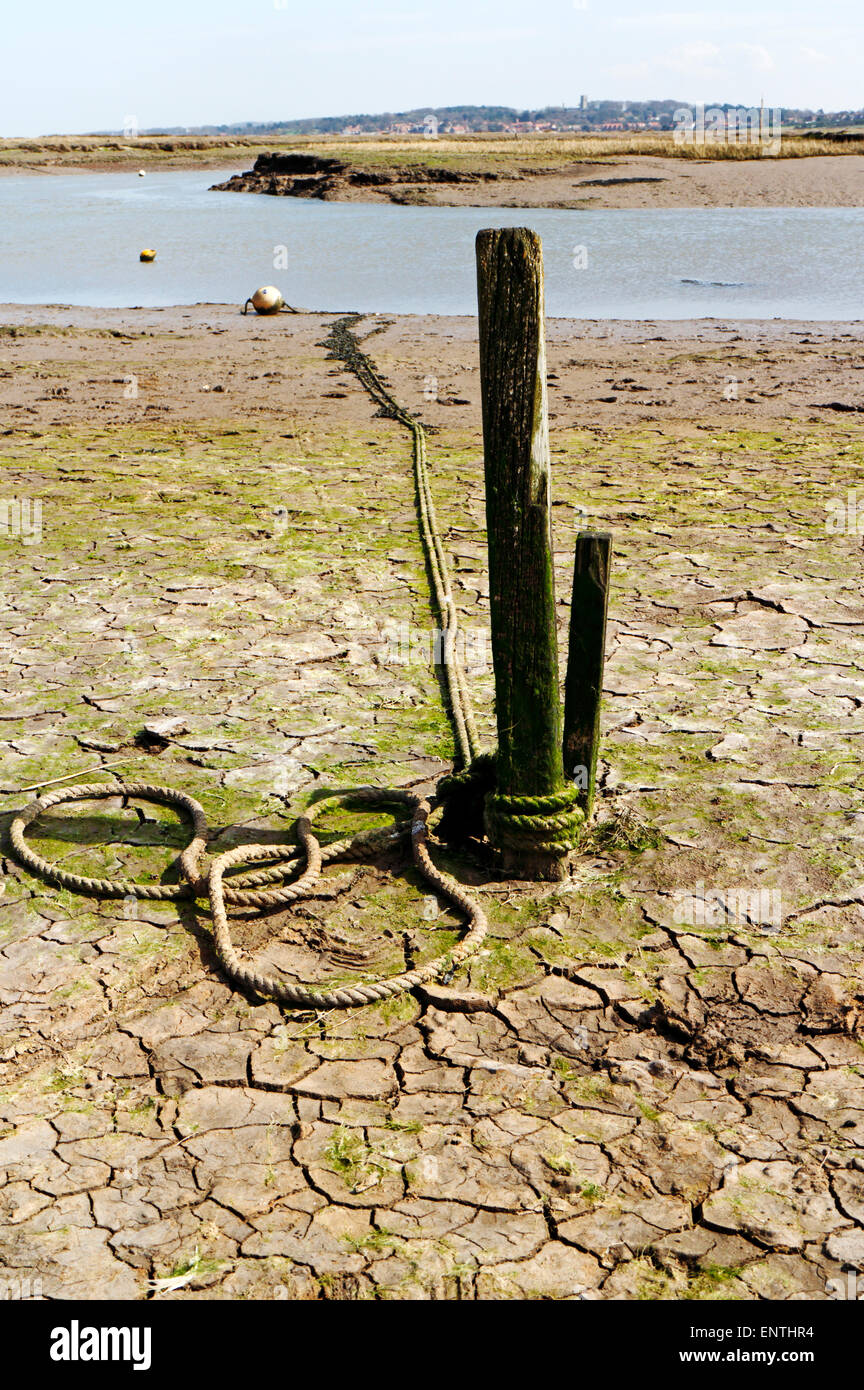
(75, 239)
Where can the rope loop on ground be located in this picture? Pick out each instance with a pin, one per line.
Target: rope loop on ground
(109, 887)
(304, 996)
(244, 889)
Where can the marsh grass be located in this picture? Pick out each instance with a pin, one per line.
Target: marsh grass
(476, 151)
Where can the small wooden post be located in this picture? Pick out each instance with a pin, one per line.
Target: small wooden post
(521, 579)
(585, 658)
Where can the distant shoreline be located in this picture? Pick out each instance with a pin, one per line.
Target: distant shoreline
(591, 173)
(641, 181)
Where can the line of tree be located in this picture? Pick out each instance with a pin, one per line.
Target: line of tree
(585, 116)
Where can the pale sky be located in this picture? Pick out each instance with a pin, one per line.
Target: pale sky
(92, 64)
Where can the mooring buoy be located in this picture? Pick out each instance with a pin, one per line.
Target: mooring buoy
(148, 254)
(266, 300)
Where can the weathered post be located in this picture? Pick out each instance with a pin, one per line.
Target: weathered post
(531, 818)
(585, 657)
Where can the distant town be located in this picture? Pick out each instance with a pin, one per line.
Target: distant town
(589, 116)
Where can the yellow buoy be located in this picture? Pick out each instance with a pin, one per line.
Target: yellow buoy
(266, 300)
(148, 254)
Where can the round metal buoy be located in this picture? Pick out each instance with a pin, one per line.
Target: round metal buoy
(148, 254)
(266, 300)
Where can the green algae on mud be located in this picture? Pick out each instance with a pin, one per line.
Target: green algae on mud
(244, 581)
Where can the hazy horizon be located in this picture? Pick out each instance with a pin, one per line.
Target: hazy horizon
(164, 128)
(99, 66)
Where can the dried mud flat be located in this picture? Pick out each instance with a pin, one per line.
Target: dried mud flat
(612, 1101)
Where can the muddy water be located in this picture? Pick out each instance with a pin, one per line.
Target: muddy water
(75, 239)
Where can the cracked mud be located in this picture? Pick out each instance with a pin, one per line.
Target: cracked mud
(650, 1083)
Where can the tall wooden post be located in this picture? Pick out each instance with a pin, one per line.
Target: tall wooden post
(585, 658)
(521, 582)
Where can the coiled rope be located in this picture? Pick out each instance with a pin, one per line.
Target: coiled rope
(248, 889)
(245, 889)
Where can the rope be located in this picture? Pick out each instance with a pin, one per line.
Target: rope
(547, 824)
(249, 889)
(300, 996)
(188, 862)
(467, 797)
(344, 347)
(243, 889)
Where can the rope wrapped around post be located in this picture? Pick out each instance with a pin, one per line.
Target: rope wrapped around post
(550, 824)
(536, 824)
